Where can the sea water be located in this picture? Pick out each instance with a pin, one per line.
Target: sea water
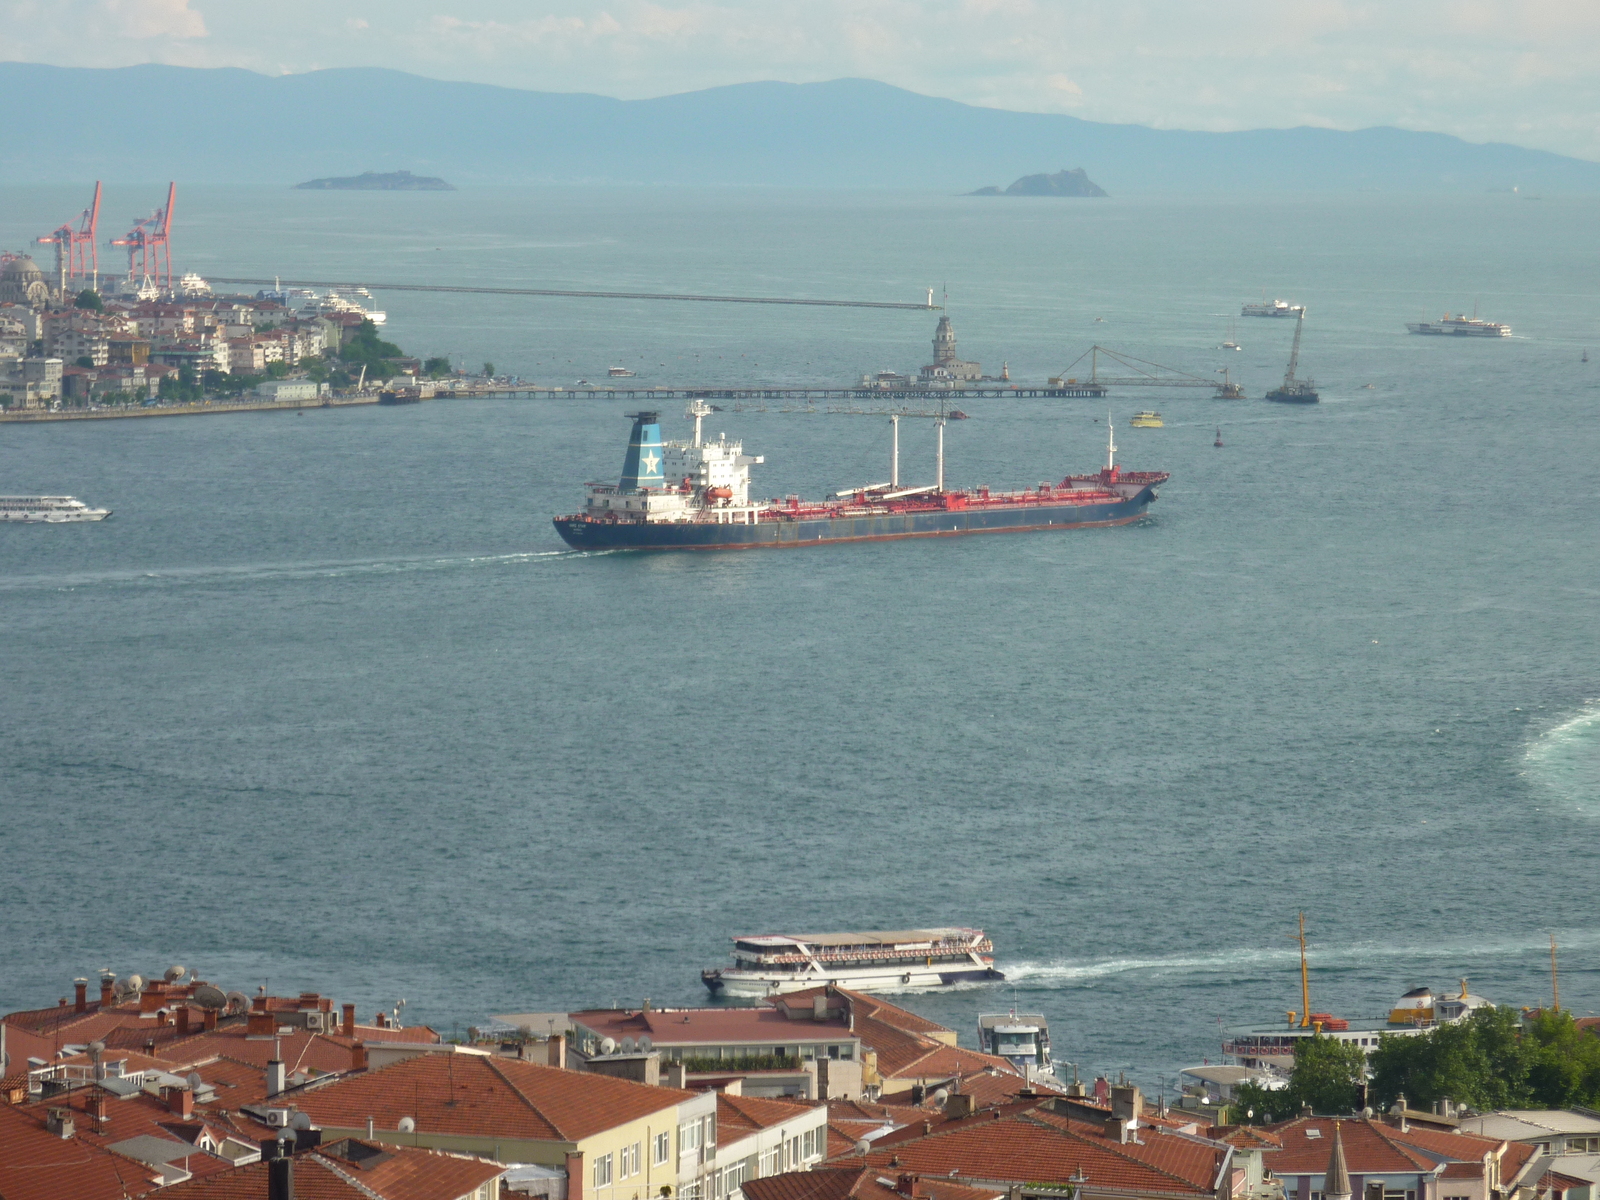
(327, 704)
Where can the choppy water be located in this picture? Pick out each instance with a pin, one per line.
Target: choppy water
(327, 704)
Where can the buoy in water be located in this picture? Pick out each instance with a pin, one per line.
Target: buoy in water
(1218, 442)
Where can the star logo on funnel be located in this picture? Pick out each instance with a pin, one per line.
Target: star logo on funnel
(649, 462)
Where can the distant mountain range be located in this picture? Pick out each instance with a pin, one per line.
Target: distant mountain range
(227, 125)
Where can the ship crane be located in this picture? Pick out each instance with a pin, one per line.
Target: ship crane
(77, 251)
(1294, 351)
(1144, 372)
(697, 409)
(149, 243)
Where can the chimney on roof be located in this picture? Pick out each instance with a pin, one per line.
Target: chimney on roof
(959, 1104)
(349, 1020)
(107, 995)
(274, 1072)
(80, 993)
(358, 1057)
(210, 1018)
(260, 1001)
(1127, 1103)
(575, 1176)
(181, 1102)
(183, 1020)
(280, 1173)
(906, 1185)
(1117, 1130)
(97, 1107)
(819, 1010)
(555, 1051)
(1336, 1181)
(59, 1121)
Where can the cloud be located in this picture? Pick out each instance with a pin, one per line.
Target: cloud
(155, 18)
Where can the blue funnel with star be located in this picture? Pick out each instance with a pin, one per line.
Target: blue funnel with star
(642, 466)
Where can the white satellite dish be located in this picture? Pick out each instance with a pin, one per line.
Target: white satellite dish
(300, 1121)
(407, 1125)
(645, 1043)
(608, 1045)
(194, 1081)
(207, 996)
(174, 973)
(627, 1045)
(237, 1002)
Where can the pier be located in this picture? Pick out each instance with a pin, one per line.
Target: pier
(752, 395)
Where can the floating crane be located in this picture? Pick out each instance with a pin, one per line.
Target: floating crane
(1145, 373)
(1292, 390)
(77, 250)
(149, 244)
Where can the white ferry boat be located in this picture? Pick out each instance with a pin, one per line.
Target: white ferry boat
(308, 302)
(878, 961)
(1277, 308)
(1459, 326)
(1023, 1038)
(49, 509)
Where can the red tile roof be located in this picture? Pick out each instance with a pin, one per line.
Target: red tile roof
(37, 1165)
(474, 1095)
(702, 1026)
(857, 1183)
(740, 1116)
(397, 1173)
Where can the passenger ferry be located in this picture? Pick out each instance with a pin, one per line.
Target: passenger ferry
(1278, 308)
(49, 509)
(879, 961)
(1022, 1038)
(1147, 420)
(1459, 326)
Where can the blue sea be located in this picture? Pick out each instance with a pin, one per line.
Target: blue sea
(327, 705)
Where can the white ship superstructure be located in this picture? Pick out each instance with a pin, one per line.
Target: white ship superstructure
(1023, 1038)
(308, 302)
(700, 480)
(881, 961)
(49, 509)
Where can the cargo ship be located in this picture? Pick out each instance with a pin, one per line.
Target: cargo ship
(695, 495)
(878, 961)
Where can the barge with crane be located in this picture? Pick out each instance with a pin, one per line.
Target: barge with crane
(695, 495)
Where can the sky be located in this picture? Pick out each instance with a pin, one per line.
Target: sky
(1526, 72)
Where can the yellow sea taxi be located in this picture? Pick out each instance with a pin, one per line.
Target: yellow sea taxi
(1146, 420)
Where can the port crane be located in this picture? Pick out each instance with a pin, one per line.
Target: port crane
(77, 251)
(149, 244)
(1144, 372)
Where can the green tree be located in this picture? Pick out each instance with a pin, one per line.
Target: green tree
(90, 299)
(1564, 1068)
(1327, 1075)
(436, 368)
(277, 370)
(366, 348)
(1482, 1060)
(85, 361)
(488, 370)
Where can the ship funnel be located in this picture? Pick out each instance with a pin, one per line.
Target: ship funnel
(642, 466)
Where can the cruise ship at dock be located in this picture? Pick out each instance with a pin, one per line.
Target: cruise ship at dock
(695, 495)
(879, 961)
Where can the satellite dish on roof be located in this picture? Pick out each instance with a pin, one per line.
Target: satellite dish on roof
(237, 1002)
(175, 973)
(608, 1045)
(862, 1146)
(207, 996)
(940, 1096)
(194, 1081)
(645, 1043)
(407, 1125)
(627, 1045)
(300, 1121)
(135, 983)
(124, 989)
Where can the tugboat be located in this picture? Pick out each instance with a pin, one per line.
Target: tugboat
(1292, 390)
(695, 495)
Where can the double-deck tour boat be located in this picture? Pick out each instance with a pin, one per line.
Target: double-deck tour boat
(879, 961)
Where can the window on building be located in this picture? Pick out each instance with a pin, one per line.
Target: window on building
(769, 1162)
(689, 1137)
(691, 1191)
(629, 1166)
(794, 1152)
(602, 1171)
(663, 1150)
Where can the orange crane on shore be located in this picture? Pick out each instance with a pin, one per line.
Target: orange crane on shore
(78, 250)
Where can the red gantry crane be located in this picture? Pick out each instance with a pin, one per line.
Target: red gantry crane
(78, 250)
(149, 244)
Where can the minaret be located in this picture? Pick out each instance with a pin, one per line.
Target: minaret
(1336, 1183)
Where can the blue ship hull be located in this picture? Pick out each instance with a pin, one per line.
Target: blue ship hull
(585, 534)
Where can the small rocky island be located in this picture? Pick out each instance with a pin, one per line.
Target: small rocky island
(1062, 183)
(379, 181)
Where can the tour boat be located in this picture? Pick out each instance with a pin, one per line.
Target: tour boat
(879, 961)
(49, 509)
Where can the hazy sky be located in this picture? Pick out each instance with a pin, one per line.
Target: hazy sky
(1525, 72)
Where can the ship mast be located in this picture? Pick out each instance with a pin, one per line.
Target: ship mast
(699, 410)
(1555, 980)
(894, 424)
(1305, 978)
(1294, 353)
(1111, 444)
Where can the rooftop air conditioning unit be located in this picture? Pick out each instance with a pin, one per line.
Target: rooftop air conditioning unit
(278, 1118)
